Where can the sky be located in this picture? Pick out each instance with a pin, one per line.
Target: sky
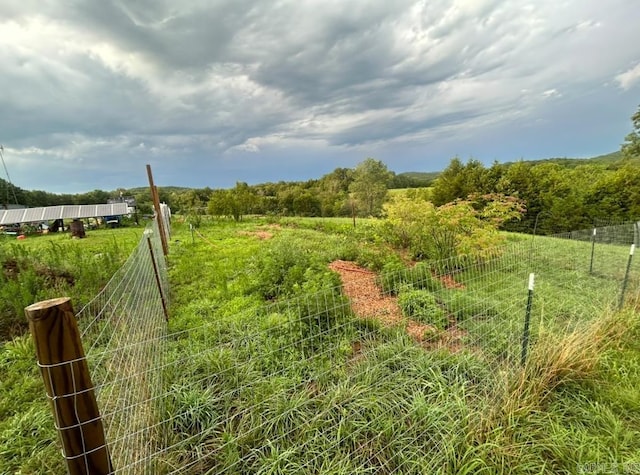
(213, 92)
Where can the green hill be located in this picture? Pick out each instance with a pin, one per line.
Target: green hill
(611, 160)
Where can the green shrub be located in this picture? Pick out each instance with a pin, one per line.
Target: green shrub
(451, 230)
(396, 275)
(392, 277)
(280, 267)
(373, 257)
(422, 306)
(465, 305)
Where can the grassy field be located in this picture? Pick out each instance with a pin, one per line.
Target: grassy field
(34, 269)
(269, 371)
(48, 266)
(303, 386)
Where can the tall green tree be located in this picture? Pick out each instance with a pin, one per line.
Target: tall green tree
(631, 145)
(460, 180)
(369, 186)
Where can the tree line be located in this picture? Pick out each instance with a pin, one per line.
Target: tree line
(559, 199)
(558, 195)
(360, 191)
(328, 196)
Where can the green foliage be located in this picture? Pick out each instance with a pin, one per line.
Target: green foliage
(236, 202)
(302, 386)
(631, 146)
(413, 180)
(396, 276)
(52, 265)
(449, 231)
(281, 267)
(459, 180)
(466, 305)
(369, 187)
(422, 306)
(559, 195)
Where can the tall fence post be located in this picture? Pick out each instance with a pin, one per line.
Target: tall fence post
(527, 321)
(69, 388)
(626, 277)
(593, 250)
(156, 207)
(157, 276)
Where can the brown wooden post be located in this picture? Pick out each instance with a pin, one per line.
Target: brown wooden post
(156, 207)
(353, 212)
(68, 384)
(155, 272)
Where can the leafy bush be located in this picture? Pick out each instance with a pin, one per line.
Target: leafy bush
(422, 306)
(281, 267)
(460, 228)
(373, 257)
(396, 275)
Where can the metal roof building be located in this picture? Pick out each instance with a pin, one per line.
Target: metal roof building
(50, 213)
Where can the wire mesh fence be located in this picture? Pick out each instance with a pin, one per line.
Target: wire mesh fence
(123, 330)
(369, 377)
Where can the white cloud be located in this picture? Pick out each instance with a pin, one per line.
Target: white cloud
(550, 93)
(198, 79)
(629, 78)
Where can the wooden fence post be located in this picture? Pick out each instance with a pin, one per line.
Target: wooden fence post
(156, 206)
(69, 388)
(157, 276)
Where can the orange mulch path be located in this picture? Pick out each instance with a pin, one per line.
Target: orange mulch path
(450, 283)
(367, 301)
(262, 235)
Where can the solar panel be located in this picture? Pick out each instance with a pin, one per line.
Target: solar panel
(72, 211)
(52, 212)
(33, 214)
(104, 210)
(13, 216)
(49, 213)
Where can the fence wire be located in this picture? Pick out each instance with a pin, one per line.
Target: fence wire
(123, 330)
(311, 385)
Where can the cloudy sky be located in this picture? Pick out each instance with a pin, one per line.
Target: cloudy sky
(212, 92)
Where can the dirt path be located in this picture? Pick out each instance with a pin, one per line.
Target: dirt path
(367, 301)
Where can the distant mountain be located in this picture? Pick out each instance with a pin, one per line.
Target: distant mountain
(611, 160)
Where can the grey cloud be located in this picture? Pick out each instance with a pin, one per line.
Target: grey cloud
(200, 79)
(389, 129)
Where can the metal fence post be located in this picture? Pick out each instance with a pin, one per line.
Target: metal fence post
(626, 277)
(593, 250)
(69, 387)
(527, 320)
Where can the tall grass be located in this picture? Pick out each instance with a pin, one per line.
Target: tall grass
(51, 266)
(369, 399)
(32, 270)
(268, 371)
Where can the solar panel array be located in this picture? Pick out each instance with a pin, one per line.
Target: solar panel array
(49, 213)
